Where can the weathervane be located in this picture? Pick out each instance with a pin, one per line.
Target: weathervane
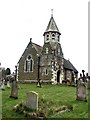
(51, 12)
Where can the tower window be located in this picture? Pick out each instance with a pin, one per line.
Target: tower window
(46, 50)
(47, 37)
(53, 36)
(58, 51)
(58, 37)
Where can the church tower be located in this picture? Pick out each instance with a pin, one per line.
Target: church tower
(51, 63)
(52, 34)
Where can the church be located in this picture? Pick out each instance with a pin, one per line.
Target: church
(47, 62)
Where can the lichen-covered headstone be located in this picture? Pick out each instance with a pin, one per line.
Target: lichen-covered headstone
(81, 92)
(32, 100)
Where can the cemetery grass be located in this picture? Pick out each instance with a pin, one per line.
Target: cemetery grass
(51, 98)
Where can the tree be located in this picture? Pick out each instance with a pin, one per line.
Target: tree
(8, 71)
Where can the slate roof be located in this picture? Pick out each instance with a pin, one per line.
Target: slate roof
(52, 26)
(68, 65)
(37, 47)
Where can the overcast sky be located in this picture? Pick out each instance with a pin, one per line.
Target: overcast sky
(21, 20)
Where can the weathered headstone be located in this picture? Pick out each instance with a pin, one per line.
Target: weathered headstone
(81, 92)
(2, 84)
(14, 89)
(8, 84)
(32, 100)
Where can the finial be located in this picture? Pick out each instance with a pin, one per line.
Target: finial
(30, 40)
(51, 12)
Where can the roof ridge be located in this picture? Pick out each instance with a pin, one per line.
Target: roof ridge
(36, 44)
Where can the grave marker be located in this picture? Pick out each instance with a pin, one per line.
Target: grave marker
(81, 88)
(81, 92)
(32, 100)
(14, 89)
(8, 84)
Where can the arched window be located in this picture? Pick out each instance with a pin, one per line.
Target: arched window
(46, 50)
(29, 64)
(26, 65)
(47, 36)
(53, 36)
(58, 37)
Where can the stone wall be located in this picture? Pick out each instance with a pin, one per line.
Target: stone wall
(31, 75)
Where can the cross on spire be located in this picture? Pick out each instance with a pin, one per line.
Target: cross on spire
(51, 12)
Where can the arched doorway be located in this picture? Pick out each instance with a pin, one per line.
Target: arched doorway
(58, 76)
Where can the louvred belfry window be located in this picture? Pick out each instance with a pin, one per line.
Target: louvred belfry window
(53, 36)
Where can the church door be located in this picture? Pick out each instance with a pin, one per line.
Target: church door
(58, 76)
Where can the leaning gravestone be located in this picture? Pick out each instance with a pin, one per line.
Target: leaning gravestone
(81, 92)
(32, 100)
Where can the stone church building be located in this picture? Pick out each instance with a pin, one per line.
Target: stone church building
(46, 62)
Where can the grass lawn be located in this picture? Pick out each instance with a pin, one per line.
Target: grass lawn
(51, 97)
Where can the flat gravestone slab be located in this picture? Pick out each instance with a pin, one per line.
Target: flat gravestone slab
(81, 92)
(32, 100)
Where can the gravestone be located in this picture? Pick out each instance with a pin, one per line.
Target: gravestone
(81, 92)
(32, 100)
(14, 89)
(2, 84)
(8, 84)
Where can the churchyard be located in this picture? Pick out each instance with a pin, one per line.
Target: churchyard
(52, 101)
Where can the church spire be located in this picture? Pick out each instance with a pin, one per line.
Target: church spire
(52, 33)
(52, 27)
